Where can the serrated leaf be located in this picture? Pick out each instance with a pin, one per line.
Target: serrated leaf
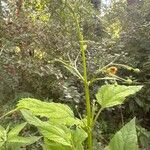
(78, 137)
(23, 141)
(30, 118)
(111, 95)
(50, 145)
(56, 134)
(60, 134)
(15, 131)
(56, 112)
(125, 139)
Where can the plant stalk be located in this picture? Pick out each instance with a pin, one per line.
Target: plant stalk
(88, 105)
(85, 79)
(86, 88)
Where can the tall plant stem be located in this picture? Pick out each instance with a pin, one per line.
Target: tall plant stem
(85, 79)
(88, 107)
(86, 86)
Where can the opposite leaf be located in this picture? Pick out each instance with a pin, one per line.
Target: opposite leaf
(125, 139)
(111, 95)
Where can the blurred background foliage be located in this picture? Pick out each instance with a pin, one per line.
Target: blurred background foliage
(35, 32)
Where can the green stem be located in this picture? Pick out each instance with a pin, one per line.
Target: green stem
(86, 88)
(88, 106)
(98, 79)
(96, 117)
(86, 85)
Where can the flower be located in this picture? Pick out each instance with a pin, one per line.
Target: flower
(112, 70)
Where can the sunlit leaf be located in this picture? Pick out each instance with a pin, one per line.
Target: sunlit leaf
(56, 133)
(111, 95)
(56, 112)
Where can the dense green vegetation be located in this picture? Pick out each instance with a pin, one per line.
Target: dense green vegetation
(66, 68)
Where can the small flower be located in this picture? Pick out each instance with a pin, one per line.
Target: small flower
(112, 70)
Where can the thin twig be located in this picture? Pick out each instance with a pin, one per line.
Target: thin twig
(75, 62)
(96, 117)
(101, 69)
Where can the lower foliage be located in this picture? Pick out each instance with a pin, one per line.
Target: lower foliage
(61, 130)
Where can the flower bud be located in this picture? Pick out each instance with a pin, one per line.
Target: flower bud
(129, 81)
(136, 70)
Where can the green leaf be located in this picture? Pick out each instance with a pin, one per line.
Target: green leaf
(1, 143)
(1, 131)
(144, 137)
(14, 146)
(15, 131)
(30, 118)
(125, 139)
(78, 137)
(111, 95)
(3, 135)
(56, 112)
(56, 133)
(23, 141)
(50, 145)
